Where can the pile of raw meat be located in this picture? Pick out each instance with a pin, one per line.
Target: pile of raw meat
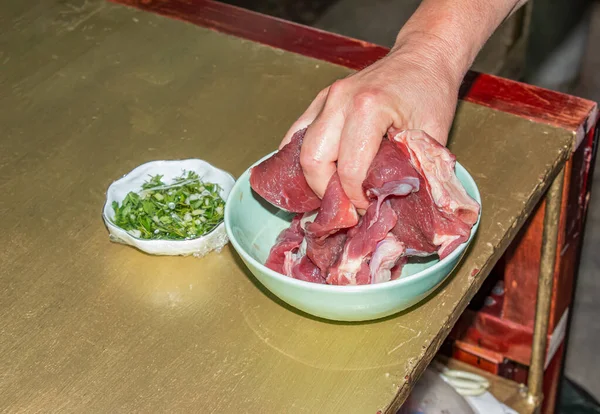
(418, 208)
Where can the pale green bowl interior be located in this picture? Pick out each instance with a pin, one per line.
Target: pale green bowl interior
(253, 225)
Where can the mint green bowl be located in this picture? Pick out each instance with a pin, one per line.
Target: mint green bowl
(253, 224)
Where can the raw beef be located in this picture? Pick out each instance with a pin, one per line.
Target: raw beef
(390, 173)
(336, 212)
(425, 229)
(306, 270)
(324, 251)
(280, 179)
(418, 208)
(325, 237)
(352, 267)
(288, 255)
(388, 253)
(436, 165)
(287, 243)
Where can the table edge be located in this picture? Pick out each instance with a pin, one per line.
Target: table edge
(537, 104)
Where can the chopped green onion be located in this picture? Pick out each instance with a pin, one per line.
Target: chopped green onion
(185, 209)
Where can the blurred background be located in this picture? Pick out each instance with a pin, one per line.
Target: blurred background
(549, 43)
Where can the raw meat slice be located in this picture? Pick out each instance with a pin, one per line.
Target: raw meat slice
(387, 253)
(323, 236)
(352, 267)
(390, 173)
(336, 212)
(324, 251)
(450, 233)
(288, 242)
(280, 179)
(307, 271)
(423, 228)
(415, 226)
(436, 165)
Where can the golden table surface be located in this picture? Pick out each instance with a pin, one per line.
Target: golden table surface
(90, 91)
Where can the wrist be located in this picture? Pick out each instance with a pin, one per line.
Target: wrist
(448, 34)
(433, 54)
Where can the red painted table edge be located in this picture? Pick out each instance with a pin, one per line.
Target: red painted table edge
(526, 101)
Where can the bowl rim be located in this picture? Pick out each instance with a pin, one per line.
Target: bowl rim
(109, 222)
(459, 251)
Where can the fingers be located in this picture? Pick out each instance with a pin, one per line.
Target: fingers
(320, 148)
(360, 140)
(313, 110)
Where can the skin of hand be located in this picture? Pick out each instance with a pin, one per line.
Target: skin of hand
(414, 87)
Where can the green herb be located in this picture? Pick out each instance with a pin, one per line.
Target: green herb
(185, 209)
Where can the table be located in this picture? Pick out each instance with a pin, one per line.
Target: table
(90, 90)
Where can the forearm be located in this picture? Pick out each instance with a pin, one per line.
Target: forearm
(450, 33)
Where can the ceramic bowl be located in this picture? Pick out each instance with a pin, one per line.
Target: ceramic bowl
(253, 225)
(133, 181)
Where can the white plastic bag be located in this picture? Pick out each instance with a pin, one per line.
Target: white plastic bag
(487, 404)
(432, 395)
(440, 393)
